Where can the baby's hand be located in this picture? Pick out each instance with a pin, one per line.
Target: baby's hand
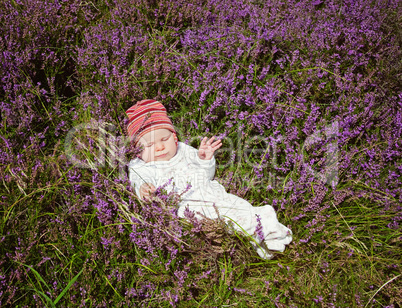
(146, 190)
(208, 147)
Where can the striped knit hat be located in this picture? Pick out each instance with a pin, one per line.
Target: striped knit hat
(145, 116)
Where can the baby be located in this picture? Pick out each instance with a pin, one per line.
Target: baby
(163, 158)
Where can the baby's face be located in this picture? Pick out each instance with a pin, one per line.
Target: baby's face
(158, 145)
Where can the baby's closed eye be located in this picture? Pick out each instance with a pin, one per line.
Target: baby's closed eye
(167, 137)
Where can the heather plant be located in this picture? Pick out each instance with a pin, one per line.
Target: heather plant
(306, 96)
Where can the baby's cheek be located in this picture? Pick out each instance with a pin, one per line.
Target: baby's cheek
(148, 156)
(144, 155)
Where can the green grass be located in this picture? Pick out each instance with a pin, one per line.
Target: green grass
(344, 252)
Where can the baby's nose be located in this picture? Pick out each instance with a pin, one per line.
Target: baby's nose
(160, 146)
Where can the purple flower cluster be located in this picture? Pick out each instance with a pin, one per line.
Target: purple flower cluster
(259, 229)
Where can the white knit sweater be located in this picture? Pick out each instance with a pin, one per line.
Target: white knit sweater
(187, 168)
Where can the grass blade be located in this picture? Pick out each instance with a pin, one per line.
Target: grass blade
(115, 291)
(37, 275)
(67, 287)
(45, 296)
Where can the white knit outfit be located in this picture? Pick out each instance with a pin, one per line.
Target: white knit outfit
(187, 168)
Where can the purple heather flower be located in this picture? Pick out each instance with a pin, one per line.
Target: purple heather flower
(259, 229)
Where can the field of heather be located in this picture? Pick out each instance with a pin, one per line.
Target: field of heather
(306, 96)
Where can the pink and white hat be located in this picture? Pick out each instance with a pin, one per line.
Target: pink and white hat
(145, 116)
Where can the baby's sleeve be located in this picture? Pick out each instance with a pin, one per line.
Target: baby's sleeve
(139, 175)
(207, 165)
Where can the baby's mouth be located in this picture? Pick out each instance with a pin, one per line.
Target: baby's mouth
(162, 155)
